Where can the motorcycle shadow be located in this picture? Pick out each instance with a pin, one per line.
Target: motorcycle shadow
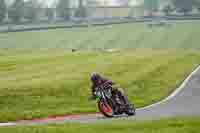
(123, 116)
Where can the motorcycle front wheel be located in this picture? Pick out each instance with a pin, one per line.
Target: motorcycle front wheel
(105, 108)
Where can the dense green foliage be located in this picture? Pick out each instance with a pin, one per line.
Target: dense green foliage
(185, 6)
(2, 10)
(81, 11)
(16, 11)
(167, 9)
(63, 9)
(31, 10)
(49, 13)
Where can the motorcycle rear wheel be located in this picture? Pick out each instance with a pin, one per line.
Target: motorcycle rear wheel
(130, 110)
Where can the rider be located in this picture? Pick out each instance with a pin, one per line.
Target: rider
(97, 80)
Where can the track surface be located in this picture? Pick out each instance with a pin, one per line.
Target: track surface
(185, 101)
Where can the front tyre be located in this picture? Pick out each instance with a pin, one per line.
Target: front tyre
(105, 108)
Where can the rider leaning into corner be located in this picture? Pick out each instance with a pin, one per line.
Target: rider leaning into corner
(98, 80)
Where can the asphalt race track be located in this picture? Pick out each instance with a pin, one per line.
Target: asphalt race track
(184, 101)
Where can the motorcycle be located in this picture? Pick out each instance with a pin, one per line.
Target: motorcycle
(109, 107)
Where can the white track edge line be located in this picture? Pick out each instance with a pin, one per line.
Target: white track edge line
(175, 92)
(7, 124)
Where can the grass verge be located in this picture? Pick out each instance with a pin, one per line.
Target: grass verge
(43, 83)
(187, 125)
(182, 35)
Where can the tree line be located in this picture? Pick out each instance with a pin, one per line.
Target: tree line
(181, 6)
(31, 10)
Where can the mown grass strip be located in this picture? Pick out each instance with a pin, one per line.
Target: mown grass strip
(182, 125)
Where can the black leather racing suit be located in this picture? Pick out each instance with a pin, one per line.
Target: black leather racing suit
(107, 85)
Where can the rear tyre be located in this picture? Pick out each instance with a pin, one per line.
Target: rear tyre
(105, 109)
(130, 110)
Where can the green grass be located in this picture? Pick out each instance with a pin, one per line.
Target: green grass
(187, 125)
(39, 78)
(43, 83)
(178, 35)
